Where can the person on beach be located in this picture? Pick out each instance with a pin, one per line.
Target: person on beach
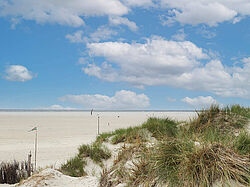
(91, 112)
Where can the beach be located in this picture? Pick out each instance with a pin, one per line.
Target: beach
(60, 133)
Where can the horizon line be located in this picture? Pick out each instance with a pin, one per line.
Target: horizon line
(97, 110)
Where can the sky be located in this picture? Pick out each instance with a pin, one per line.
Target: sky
(124, 54)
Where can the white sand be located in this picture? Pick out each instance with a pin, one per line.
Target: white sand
(60, 133)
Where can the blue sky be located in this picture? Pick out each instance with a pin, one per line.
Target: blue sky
(124, 54)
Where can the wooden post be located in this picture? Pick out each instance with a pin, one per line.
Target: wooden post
(29, 164)
(98, 125)
(35, 150)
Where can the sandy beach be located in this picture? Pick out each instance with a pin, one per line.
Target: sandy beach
(60, 133)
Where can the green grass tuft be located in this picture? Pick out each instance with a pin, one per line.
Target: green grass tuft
(242, 143)
(129, 135)
(161, 127)
(167, 159)
(74, 167)
(95, 152)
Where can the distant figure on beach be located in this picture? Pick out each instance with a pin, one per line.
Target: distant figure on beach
(91, 112)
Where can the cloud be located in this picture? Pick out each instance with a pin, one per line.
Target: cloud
(206, 33)
(210, 12)
(101, 34)
(75, 37)
(138, 3)
(17, 73)
(123, 21)
(57, 107)
(200, 102)
(63, 12)
(169, 99)
(246, 60)
(123, 99)
(180, 35)
(162, 62)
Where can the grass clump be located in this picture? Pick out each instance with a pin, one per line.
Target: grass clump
(214, 163)
(129, 135)
(167, 159)
(161, 127)
(242, 143)
(104, 137)
(74, 167)
(239, 110)
(95, 152)
(218, 120)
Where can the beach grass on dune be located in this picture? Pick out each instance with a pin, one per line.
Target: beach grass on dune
(161, 127)
(212, 147)
(74, 167)
(242, 143)
(94, 151)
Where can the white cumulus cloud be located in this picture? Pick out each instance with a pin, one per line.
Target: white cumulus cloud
(180, 35)
(62, 12)
(18, 73)
(102, 33)
(210, 12)
(75, 37)
(200, 101)
(163, 62)
(123, 99)
(138, 3)
(123, 21)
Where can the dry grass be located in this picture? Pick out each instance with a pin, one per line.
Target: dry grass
(214, 163)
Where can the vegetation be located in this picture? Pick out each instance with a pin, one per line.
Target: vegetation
(161, 127)
(95, 152)
(212, 147)
(74, 167)
(242, 143)
(13, 172)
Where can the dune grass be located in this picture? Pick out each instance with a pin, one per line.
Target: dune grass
(161, 127)
(95, 151)
(214, 163)
(242, 143)
(212, 147)
(74, 167)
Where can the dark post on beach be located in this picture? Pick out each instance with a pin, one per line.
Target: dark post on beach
(98, 121)
(35, 149)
